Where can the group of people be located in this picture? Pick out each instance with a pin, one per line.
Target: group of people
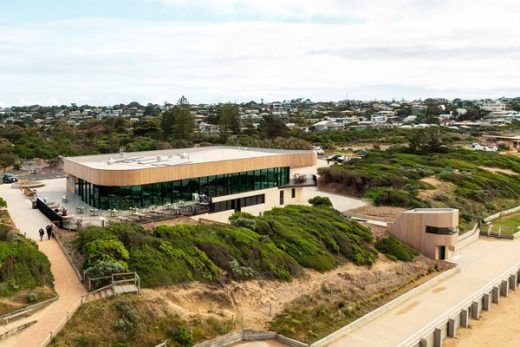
(48, 228)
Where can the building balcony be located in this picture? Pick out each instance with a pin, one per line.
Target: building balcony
(301, 180)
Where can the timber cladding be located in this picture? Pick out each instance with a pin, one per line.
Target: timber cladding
(148, 175)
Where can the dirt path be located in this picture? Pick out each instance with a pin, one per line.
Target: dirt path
(66, 283)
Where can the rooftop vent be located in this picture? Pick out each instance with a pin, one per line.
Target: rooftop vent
(185, 155)
(111, 161)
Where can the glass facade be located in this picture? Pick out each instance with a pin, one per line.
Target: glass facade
(122, 198)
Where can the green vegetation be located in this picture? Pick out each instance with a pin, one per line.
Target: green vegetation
(507, 224)
(320, 201)
(22, 265)
(135, 321)
(393, 136)
(312, 317)
(394, 177)
(512, 221)
(395, 249)
(277, 245)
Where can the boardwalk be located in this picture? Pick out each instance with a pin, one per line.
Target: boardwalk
(66, 282)
(480, 262)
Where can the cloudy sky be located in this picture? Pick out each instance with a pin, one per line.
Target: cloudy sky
(117, 51)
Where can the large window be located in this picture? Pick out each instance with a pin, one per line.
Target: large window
(237, 204)
(440, 230)
(123, 198)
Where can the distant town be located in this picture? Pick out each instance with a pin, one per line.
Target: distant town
(302, 114)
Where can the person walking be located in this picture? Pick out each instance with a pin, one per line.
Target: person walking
(49, 231)
(41, 234)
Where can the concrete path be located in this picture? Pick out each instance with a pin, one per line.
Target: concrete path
(66, 283)
(480, 263)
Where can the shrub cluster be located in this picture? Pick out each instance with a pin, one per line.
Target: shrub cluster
(22, 265)
(393, 178)
(395, 249)
(320, 201)
(275, 246)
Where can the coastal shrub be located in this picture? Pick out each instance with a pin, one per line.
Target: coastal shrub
(393, 177)
(22, 266)
(180, 334)
(395, 249)
(244, 222)
(320, 201)
(277, 246)
(103, 250)
(104, 268)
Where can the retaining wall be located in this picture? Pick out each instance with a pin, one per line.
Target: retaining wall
(434, 334)
(385, 308)
(250, 335)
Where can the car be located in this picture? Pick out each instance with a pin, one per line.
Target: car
(9, 178)
(336, 157)
(318, 150)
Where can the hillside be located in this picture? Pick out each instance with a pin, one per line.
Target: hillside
(478, 183)
(25, 275)
(278, 245)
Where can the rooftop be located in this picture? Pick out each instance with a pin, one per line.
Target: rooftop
(432, 210)
(174, 157)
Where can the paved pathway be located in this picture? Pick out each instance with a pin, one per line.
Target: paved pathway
(481, 262)
(66, 282)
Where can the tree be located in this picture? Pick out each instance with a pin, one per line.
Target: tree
(184, 122)
(151, 110)
(230, 120)
(427, 140)
(272, 126)
(148, 127)
(7, 160)
(167, 122)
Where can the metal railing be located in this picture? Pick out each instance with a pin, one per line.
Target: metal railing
(54, 331)
(22, 311)
(16, 329)
(464, 304)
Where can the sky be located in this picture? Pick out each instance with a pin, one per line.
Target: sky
(104, 52)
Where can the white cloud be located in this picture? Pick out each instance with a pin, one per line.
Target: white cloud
(407, 49)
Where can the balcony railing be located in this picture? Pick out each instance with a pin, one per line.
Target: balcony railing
(302, 180)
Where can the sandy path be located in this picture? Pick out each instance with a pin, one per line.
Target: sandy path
(498, 327)
(66, 283)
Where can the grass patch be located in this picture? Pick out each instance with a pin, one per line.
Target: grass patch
(135, 321)
(311, 318)
(508, 224)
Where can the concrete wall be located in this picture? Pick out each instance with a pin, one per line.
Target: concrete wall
(383, 309)
(434, 334)
(272, 199)
(250, 335)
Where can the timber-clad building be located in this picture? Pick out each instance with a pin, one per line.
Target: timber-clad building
(234, 177)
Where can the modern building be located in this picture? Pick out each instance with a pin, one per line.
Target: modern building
(432, 231)
(235, 178)
(512, 143)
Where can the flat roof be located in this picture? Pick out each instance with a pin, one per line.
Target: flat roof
(506, 137)
(432, 210)
(174, 157)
